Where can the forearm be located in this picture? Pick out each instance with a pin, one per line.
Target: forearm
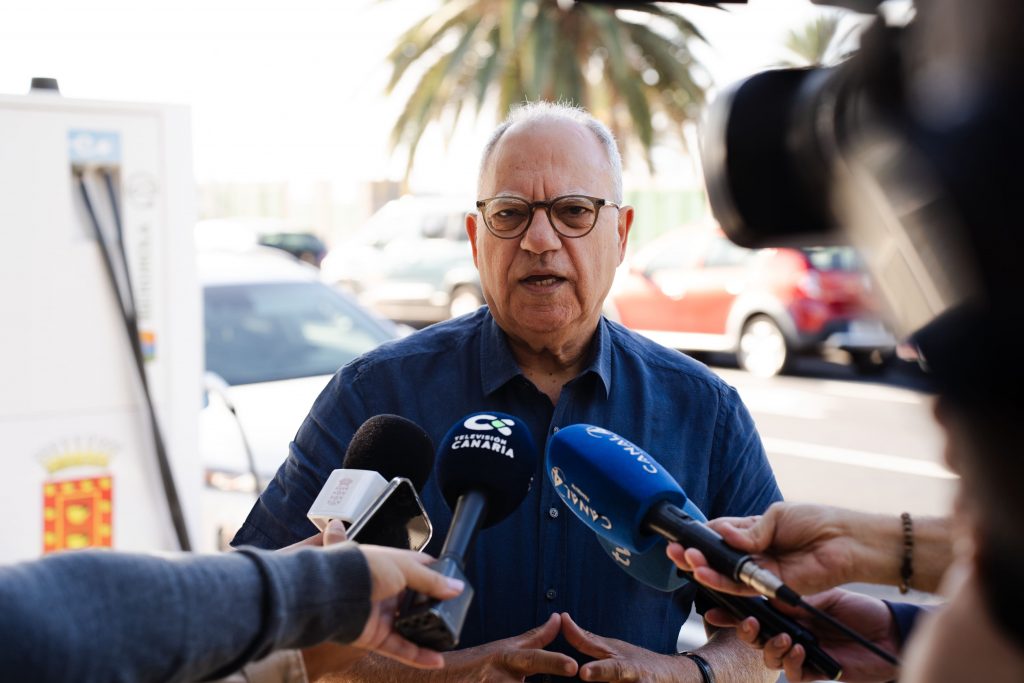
(376, 669)
(734, 661)
(202, 615)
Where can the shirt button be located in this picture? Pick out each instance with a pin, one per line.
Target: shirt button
(554, 430)
(553, 512)
(551, 594)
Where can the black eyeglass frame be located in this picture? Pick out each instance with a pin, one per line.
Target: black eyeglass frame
(598, 202)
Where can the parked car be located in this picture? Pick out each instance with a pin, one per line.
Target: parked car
(241, 232)
(411, 261)
(695, 290)
(274, 336)
(304, 246)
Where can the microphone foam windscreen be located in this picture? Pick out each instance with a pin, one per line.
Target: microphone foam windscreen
(392, 446)
(653, 567)
(609, 483)
(492, 453)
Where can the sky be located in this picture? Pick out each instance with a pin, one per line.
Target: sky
(289, 91)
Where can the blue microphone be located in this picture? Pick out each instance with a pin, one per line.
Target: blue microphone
(653, 567)
(485, 466)
(634, 506)
(623, 494)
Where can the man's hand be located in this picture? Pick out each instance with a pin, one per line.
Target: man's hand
(391, 572)
(866, 615)
(618, 661)
(808, 546)
(510, 659)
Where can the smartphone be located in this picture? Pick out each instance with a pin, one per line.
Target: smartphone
(395, 519)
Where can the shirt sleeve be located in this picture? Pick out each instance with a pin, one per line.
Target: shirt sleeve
(904, 615)
(103, 616)
(279, 516)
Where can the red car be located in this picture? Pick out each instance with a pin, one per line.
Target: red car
(697, 291)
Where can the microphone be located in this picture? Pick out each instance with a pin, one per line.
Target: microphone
(388, 459)
(484, 469)
(652, 567)
(623, 494)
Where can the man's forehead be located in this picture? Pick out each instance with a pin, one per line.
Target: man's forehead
(539, 144)
(559, 131)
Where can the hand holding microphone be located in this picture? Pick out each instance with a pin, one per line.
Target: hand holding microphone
(624, 495)
(816, 547)
(484, 469)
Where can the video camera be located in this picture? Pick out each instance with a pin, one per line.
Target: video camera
(911, 150)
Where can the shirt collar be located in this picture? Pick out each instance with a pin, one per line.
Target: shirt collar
(498, 366)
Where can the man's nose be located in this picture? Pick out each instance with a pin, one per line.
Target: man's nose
(540, 236)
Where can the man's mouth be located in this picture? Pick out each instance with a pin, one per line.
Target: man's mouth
(546, 280)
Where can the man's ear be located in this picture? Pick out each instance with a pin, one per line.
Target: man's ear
(471, 229)
(625, 225)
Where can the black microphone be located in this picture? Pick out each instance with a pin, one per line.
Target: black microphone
(375, 491)
(484, 470)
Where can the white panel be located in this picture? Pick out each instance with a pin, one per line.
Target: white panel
(70, 392)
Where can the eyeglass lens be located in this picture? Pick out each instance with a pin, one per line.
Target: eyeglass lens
(571, 215)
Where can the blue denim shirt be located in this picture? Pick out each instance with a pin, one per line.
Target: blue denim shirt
(541, 559)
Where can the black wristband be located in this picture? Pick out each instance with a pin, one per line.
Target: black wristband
(707, 674)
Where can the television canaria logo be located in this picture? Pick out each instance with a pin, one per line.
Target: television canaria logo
(491, 442)
(483, 423)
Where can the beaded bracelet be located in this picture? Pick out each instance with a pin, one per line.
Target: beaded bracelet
(907, 566)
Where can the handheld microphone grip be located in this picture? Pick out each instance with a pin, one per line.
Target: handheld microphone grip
(470, 506)
(676, 525)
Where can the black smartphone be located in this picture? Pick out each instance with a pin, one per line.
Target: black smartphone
(395, 519)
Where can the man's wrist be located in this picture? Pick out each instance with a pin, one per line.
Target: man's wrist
(707, 674)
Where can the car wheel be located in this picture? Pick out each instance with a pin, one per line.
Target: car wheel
(465, 299)
(762, 349)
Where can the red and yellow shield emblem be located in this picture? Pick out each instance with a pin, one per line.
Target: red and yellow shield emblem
(77, 514)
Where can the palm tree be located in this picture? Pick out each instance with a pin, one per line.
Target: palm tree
(807, 46)
(623, 66)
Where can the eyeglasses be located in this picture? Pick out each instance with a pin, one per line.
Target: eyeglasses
(573, 215)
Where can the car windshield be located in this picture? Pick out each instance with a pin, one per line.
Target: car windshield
(832, 258)
(274, 331)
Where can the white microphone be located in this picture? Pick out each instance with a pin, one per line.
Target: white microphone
(387, 461)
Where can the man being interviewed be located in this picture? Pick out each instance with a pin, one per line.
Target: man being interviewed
(549, 233)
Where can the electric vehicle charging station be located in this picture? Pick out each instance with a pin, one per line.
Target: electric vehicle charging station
(98, 431)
